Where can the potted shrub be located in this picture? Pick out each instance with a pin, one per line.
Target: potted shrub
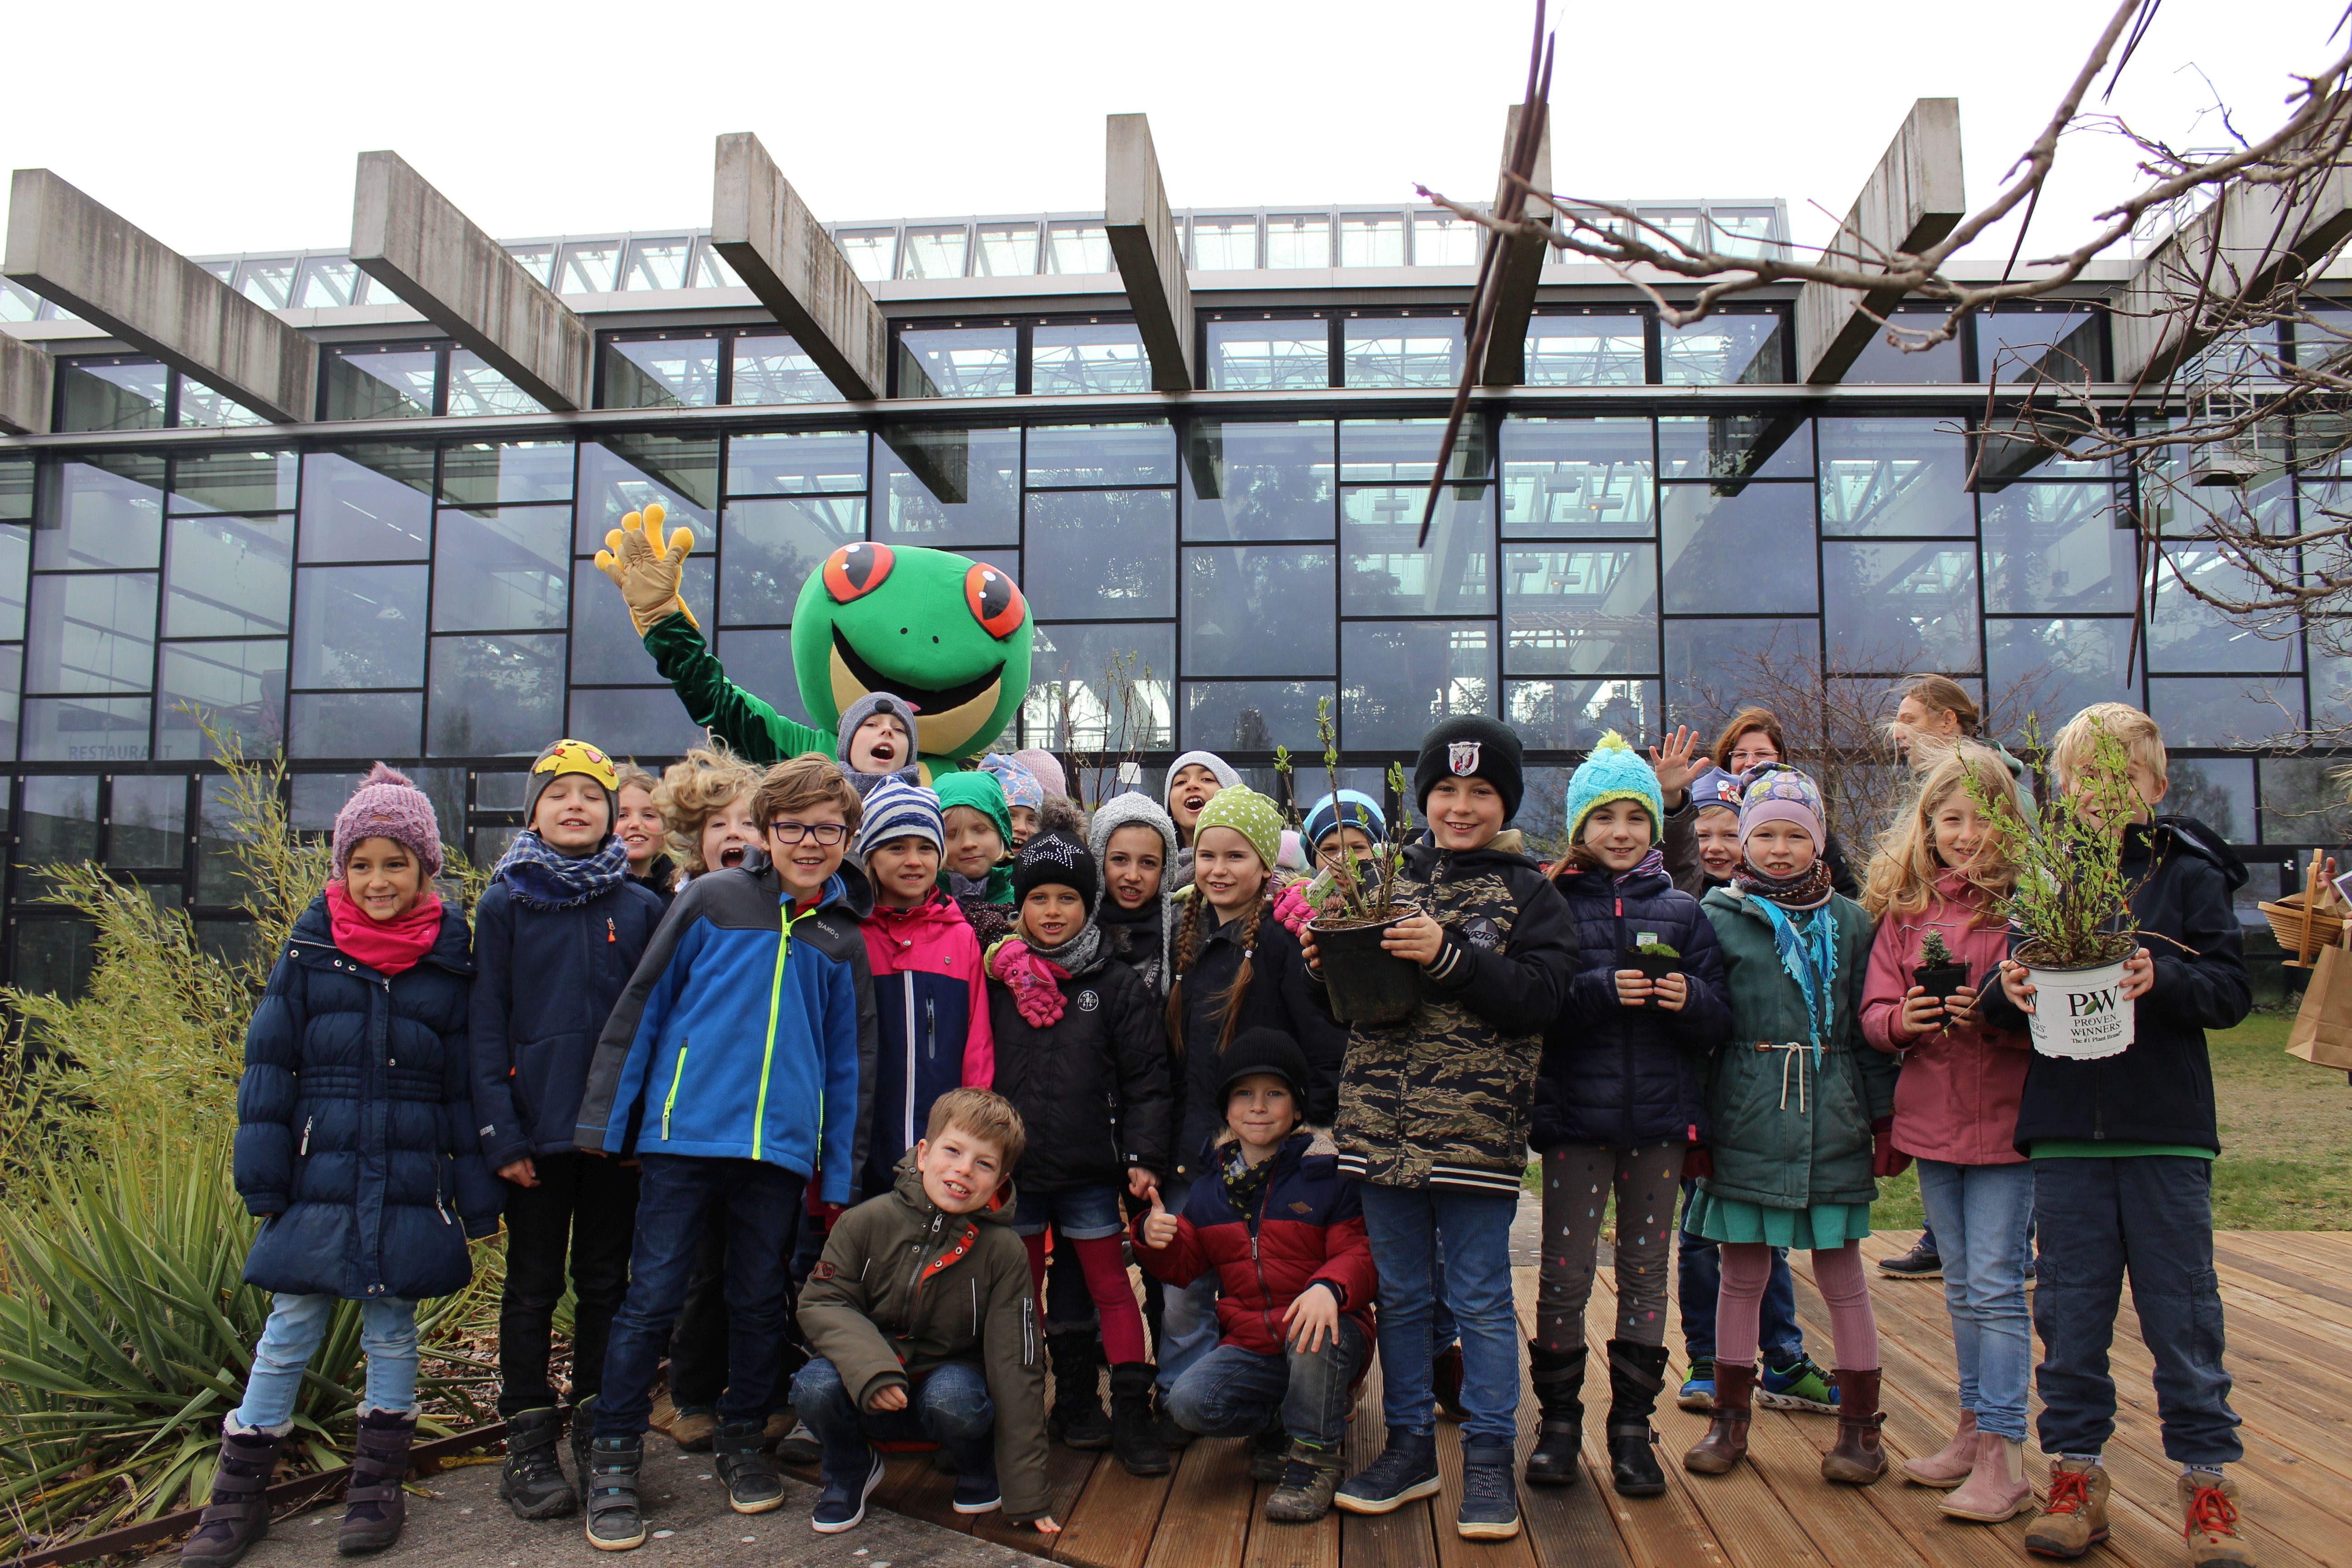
(2072, 905)
(1366, 983)
(1938, 972)
(1654, 959)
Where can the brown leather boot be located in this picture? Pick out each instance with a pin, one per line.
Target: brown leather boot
(1725, 1443)
(1858, 1459)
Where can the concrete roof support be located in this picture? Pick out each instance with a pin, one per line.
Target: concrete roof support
(1148, 250)
(759, 222)
(1521, 265)
(70, 250)
(28, 378)
(1911, 199)
(412, 239)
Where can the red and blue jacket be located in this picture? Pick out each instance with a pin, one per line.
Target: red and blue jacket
(930, 1004)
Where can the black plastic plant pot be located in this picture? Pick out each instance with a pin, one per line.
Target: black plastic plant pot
(1366, 983)
(1940, 980)
(1654, 966)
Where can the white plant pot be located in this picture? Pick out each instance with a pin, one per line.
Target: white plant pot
(2081, 1014)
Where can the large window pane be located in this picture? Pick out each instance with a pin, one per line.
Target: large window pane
(15, 558)
(1592, 610)
(1739, 554)
(327, 281)
(501, 569)
(1269, 356)
(85, 729)
(367, 503)
(1709, 663)
(16, 490)
(1297, 239)
(770, 547)
(1372, 239)
(12, 685)
(357, 628)
(1586, 350)
(2055, 668)
(2185, 633)
(1101, 688)
(95, 394)
(1573, 715)
(1419, 351)
(239, 688)
(761, 661)
(1734, 446)
(1387, 574)
(772, 368)
(949, 488)
(1441, 240)
(958, 362)
(1895, 477)
(495, 696)
(2056, 549)
(1224, 244)
(1897, 607)
(1578, 478)
(2301, 802)
(148, 821)
(591, 267)
(1256, 716)
(1075, 247)
(1139, 453)
(101, 515)
(479, 392)
(1072, 362)
(796, 462)
(2225, 710)
(933, 253)
(621, 474)
(499, 473)
(1253, 481)
(231, 480)
(1005, 250)
(639, 721)
(381, 383)
(1255, 610)
(1398, 677)
(229, 577)
(605, 648)
(354, 723)
(2062, 343)
(873, 253)
(2217, 790)
(671, 371)
(656, 263)
(1881, 363)
(91, 633)
(1107, 554)
(1393, 452)
(1723, 351)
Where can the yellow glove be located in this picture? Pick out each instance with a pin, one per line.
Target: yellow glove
(647, 573)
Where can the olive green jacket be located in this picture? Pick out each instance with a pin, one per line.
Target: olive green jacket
(1783, 1132)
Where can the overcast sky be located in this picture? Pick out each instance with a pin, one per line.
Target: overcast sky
(227, 130)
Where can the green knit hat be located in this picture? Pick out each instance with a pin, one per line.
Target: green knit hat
(983, 794)
(1615, 771)
(1247, 813)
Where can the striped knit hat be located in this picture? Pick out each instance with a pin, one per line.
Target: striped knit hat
(897, 809)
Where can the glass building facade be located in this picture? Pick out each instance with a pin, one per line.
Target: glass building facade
(408, 577)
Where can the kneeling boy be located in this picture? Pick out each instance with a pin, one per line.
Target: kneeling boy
(1285, 1233)
(945, 1351)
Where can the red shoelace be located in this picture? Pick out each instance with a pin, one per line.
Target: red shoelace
(2069, 1492)
(2210, 1511)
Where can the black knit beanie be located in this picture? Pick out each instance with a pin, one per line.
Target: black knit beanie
(1056, 859)
(1471, 747)
(1262, 1049)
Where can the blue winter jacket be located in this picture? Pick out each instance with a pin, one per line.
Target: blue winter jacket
(1615, 1076)
(355, 1123)
(546, 982)
(748, 1033)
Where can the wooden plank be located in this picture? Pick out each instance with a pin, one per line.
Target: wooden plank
(1206, 1519)
(1402, 1539)
(1066, 1470)
(1115, 1519)
(1453, 1551)
(2294, 1280)
(1570, 1525)
(1273, 1545)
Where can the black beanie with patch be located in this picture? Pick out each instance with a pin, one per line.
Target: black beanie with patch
(1472, 747)
(1056, 859)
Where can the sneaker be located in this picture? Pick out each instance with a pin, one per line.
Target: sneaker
(1802, 1386)
(799, 1447)
(1406, 1469)
(1920, 1263)
(842, 1505)
(752, 1481)
(1698, 1388)
(1309, 1479)
(978, 1494)
(1490, 1503)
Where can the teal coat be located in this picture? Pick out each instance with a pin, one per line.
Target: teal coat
(1786, 1135)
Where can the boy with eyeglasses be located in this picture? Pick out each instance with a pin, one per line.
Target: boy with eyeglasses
(735, 1070)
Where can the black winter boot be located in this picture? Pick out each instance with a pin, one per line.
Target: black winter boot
(1137, 1446)
(584, 1430)
(613, 1523)
(1636, 1375)
(532, 1481)
(236, 1516)
(1558, 1378)
(374, 1508)
(1077, 1419)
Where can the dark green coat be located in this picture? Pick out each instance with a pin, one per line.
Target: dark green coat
(1785, 1135)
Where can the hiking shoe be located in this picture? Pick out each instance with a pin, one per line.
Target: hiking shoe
(799, 1447)
(693, 1428)
(2075, 1519)
(752, 1484)
(1802, 1386)
(2209, 1502)
(1490, 1503)
(978, 1494)
(1920, 1263)
(1445, 1375)
(842, 1505)
(1406, 1469)
(1270, 1456)
(1309, 1478)
(1698, 1389)
(531, 1481)
(613, 1523)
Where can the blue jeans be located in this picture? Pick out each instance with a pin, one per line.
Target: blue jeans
(297, 1325)
(1188, 1318)
(2150, 1215)
(1234, 1391)
(948, 1406)
(1700, 1279)
(1983, 1214)
(675, 1196)
(1402, 1224)
(1077, 1214)
(1442, 1331)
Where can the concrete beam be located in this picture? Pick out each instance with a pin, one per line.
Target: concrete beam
(70, 250)
(412, 239)
(1148, 250)
(1913, 199)
(759, 222)
(29, 380)
(1521, 265)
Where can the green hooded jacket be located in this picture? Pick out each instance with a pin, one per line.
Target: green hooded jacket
(904, 1287)
(1783, 1133)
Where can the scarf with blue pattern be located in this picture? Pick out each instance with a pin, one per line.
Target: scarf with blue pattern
(547, 878)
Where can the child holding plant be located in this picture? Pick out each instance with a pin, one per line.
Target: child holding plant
(354, 1148)
(1794, 1101)
(1936, 887)
(1617, 1106)
(2123, 1146)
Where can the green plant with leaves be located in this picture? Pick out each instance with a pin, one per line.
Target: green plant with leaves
(1358, 903)
(2071, 899)
(1933, 953)
(1658, 950)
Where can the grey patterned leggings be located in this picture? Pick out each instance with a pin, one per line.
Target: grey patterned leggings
(1576, 1182)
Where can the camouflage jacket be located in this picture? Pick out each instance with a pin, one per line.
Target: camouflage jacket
(1444, 1098)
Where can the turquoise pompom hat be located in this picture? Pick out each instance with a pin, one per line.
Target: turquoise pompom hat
(1615, 771)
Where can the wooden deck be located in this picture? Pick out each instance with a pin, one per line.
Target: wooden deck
(2289, 1298)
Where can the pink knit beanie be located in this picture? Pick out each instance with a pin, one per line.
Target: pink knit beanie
(386, 805)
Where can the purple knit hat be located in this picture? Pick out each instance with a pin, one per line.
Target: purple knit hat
(386, 805)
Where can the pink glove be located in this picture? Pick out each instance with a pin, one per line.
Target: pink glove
(1293, 910)
(1030, 980)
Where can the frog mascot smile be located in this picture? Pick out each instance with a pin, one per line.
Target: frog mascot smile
(949, 635)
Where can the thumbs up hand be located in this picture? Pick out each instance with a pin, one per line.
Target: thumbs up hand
(1159, 1226)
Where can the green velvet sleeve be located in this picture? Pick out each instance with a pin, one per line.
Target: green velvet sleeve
(751, 729)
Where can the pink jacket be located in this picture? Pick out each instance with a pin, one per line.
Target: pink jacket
(933, 1034)
(1957, 1097)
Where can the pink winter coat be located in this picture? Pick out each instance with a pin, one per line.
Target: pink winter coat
(1957, 1097)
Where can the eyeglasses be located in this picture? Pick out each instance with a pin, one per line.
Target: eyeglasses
(825, 833)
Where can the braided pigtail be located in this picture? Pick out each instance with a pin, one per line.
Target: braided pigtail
(1188, 947)
(1239, 991)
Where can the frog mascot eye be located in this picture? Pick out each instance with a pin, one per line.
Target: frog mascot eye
(993, 599)
(855, 570)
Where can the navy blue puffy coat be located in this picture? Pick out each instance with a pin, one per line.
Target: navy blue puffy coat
(546, 984)
(1615, 1076)
(355, 1123)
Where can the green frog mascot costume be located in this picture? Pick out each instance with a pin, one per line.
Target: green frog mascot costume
(947, 636)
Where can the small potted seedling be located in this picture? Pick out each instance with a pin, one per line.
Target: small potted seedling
(1654, 959)
(1938, 972)
(1365, 982)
